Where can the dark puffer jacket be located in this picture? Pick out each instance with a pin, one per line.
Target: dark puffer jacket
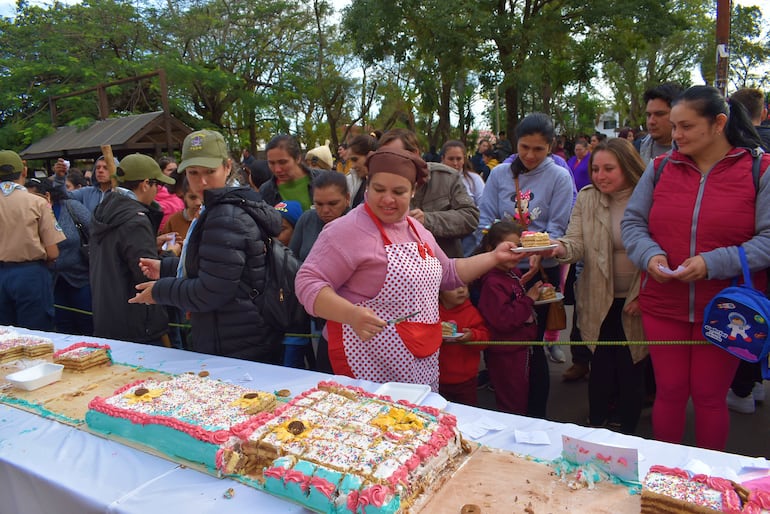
(122, 231)
(225, 259)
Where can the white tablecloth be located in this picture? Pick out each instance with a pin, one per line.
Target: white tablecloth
(47, 467)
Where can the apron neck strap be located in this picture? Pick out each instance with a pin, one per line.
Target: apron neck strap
(385, 237)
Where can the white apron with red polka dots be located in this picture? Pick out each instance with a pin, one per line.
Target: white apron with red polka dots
(411, 284)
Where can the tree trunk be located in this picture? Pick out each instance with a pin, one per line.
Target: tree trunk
(444, 127)
(511, 113)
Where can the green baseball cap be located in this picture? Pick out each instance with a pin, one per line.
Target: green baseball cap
(141, 167)
(10, 163)
(205, 148)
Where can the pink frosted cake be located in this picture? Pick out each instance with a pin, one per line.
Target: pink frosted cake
(676, 491)
(187, 416)
(759, 503)
(340, 449)
(83, 356)
(15, 346)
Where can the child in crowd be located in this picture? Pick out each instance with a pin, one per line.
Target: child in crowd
(459, 364)
(295, 348)
(508, 310)
(179, 222)
(290, 211)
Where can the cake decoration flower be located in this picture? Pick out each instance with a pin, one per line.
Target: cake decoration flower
(397, 419)
(251, 400)
(292, 429)
(143, 394)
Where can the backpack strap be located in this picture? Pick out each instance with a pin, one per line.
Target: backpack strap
(659, 170)
(82, 232)
(757, 154)
(745, 266)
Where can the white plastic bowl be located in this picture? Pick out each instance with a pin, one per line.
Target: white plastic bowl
(413, 393)
(36, 377)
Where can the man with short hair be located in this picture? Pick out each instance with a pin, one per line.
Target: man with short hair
(29, 236)
(123, 231)
(478, 162)
(658, 108)
(90, 196)
(503, 146)
(754, 102)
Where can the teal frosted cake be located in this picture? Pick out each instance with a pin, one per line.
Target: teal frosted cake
(187, 416)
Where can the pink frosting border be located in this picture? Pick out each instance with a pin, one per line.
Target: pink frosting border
(82, 344)
(731, 502)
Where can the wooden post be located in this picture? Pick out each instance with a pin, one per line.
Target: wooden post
(723, 47)
(110, 160)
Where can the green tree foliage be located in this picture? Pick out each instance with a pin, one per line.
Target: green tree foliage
(749, 48)
(647, 43)
(61, 49)
(254, 68)
(432, 38)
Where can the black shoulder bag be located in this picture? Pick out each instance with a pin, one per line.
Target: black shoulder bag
(82, 232)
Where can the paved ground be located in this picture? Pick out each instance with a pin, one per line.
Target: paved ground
(568, 402)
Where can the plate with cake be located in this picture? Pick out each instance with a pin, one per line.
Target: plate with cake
(548, 294)
(449, 331)
(534, 242)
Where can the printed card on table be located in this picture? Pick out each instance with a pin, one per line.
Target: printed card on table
(618, 461)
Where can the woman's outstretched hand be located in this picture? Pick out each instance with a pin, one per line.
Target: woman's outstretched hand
(150, 268)
(144, 295)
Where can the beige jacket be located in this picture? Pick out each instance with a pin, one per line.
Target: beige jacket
(589, 239)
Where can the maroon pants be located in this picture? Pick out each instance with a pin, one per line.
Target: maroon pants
(508, 368)
(703, 372)
(464, 392)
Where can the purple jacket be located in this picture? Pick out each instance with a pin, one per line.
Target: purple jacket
(506, 308)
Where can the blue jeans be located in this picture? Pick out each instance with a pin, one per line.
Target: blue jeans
(69, 322)
(26, 295)
(295, 349)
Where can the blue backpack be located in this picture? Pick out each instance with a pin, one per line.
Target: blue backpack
(736, 319)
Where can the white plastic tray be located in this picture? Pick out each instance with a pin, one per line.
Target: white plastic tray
(413, 393)
(36, 377)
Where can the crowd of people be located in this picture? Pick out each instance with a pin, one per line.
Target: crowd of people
(393, 242)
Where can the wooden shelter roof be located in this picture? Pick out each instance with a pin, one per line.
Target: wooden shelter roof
(145, 133)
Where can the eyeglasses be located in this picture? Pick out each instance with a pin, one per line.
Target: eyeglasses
(152, 182)
(173, 170)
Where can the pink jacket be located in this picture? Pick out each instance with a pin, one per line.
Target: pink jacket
(169, 203)
(349, 256)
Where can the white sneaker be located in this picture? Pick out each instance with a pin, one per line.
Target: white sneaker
(556, 354)
(738, 404)
(758, 392)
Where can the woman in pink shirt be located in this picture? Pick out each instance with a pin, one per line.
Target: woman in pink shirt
(375, 273)
(170, 203)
